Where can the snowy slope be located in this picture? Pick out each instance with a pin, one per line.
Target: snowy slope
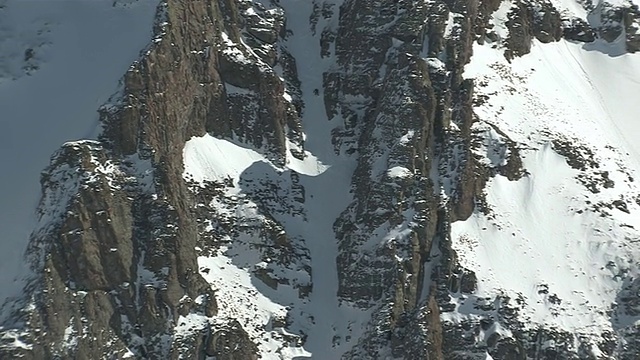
(331, 328)
(337, 326)
(562, 239)
(59, 62)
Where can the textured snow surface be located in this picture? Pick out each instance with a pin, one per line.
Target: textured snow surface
(238, 298)
(210, 159)
(555, 238)
(50, 94)
(332, 328)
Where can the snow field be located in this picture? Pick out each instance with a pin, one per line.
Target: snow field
(548, 238)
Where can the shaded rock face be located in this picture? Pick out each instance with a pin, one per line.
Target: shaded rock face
(618, 21)
(528, 20)
(115, 252)
(578, 30)
(398, 103)
(542, 21)
(115, 264)
(231, 343)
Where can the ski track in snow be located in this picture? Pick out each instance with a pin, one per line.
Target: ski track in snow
(81, 50)
(543, 240)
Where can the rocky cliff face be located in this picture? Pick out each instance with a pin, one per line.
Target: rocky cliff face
(117, 256)
(139, 254)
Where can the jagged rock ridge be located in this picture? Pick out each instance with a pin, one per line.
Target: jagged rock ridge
(136, 237)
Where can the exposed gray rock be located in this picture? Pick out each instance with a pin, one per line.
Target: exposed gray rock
(528, 20)
(116, 261)
(578, 30)
(231, 342)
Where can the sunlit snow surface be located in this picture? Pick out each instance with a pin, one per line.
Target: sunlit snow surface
(239, 294)
(332, 328)
(543, 230)
(547, 237)
(51, 94)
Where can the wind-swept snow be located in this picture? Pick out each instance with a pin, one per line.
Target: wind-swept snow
(540, 243)
(207, 158)
(562, 238)
(59, 62)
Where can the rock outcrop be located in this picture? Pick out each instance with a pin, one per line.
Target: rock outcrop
(115, 255)
(115, 263)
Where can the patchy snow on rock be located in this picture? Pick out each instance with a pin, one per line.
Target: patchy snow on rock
(492, 148)
(499, 18)
(571, 8)
(59, 62)
(399, 172)
(238, 299)
(563, 238)
(406, 138)
(310, 165)
(331, 327)
(231, 270)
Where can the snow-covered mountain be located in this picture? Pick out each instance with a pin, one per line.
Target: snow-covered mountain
(59, 62)
(326, 179)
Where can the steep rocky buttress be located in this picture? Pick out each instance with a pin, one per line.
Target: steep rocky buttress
(137, 256)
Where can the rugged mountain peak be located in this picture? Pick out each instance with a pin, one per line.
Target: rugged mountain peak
(118, 256)
(348, 179)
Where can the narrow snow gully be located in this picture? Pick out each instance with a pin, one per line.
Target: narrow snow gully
(327, 194)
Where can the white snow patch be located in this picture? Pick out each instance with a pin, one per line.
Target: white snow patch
(399, 172)
(544, 239)
(238, 298)
(499, 18)
(207, 158)
(406, 138)
(493, 148)
(310, 165)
